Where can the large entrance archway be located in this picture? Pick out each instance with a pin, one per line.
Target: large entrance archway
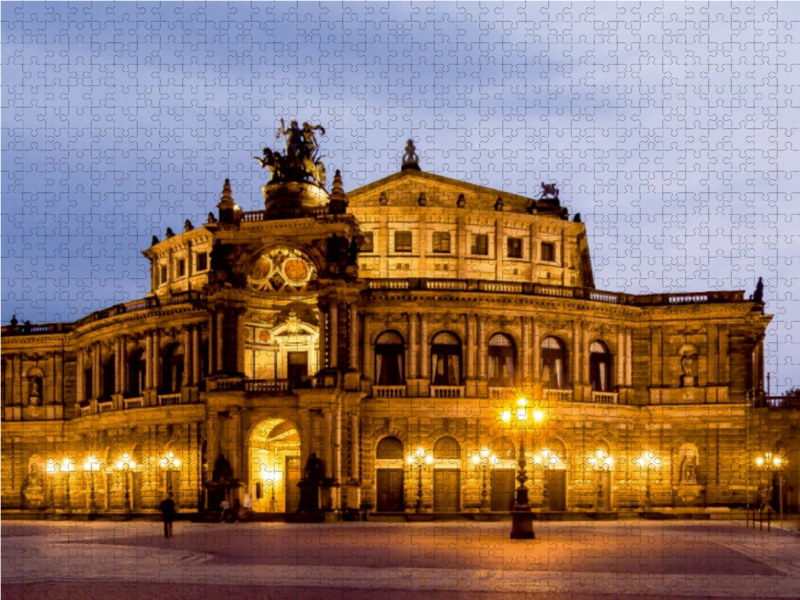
(275, 466)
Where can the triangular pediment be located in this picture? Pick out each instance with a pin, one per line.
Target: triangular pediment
(404, 189)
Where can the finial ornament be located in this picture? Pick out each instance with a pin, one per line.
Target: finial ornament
(301, 163)
(410, 158)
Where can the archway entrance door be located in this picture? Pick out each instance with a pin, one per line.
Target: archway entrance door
(556, 486)
(275, 468)
(446, 475)
(502, 489)
(390, 475)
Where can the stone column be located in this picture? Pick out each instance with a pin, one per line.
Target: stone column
(422, 270)
(425, 348)
(620, 358)
(240, 341)
(334, 336)
(629, 358)
(585, 354)
(354, 345)
(656, 360)
(337, 445)
(81, 389)
(354, 447)
(413, 355)
(157, 374)
(219, 321)
(196, 362)
(328, 416)
(469, 347)
(118, 345)
(323, 335)
(188, 355)
(58, 381)
(236, 445)
(724, 362)
(481, 348)
(537, 352)
(383, 244)
(462, 245)
(212, 440)
(576, 354)
(306, 434)
(148, 360)
(713, 345)
(96, 371)
(526, 352)
(18, 380)
(499, 250)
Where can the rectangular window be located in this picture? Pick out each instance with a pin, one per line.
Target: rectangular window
(369, 242)
(202, 261)
(441, 241)
(181, 268)
(163, 276)
(514, 247)
(480, 244)
(548, 252)
(402, 241)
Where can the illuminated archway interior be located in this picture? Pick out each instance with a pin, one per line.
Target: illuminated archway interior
(274, 466)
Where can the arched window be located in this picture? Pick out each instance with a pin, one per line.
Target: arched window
(446, 447)
(502, 360)
(600, 367)
(389, 448)
(390, 351)
(172, 369)
(503, 448)
(137, 367)
(109, 375)
(446, 359)
(554, 364)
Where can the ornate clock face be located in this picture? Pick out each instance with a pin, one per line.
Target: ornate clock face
(281, 269)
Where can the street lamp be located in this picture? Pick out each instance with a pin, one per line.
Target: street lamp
(51, 468)
(601, 462)
(419, 460)
(650, 461)
(771, 463)
(481, 461)
(67, 467)
(91, 465)
(126, 465)
(521, 517)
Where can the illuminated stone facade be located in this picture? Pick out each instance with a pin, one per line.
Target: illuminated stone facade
(391, 331)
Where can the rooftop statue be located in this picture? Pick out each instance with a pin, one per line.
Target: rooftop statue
(301, 163)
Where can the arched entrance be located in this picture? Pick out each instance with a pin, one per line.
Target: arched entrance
(447, 475)
(275, 466)
(389, 475)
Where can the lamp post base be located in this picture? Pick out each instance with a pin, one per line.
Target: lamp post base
(522, 526)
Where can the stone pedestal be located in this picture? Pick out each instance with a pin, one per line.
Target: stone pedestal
(689, 494)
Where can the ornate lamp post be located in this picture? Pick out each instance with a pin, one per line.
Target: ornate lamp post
(521, 516)
(51, 468)
(481, 461)
(649, 461)
(602, 462)
(67, 467)
(91, 465)
(419, 460)
(170, 463)
(770, 463)
(126, 465)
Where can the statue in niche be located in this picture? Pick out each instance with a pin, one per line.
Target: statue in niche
(689, 368)
(689, 470)
(222, 469)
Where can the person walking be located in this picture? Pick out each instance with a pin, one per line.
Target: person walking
(167, 508)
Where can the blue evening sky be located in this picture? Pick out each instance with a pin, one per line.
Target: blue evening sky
(669, 127)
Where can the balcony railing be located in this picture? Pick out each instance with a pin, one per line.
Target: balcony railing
(558, 395)
(169, 399)
(266, 386)
(389, 391)
(447, 391)
(105, 406)
(605, 397)
(787, 402)
(537, 289)
(500, 392)
(129, 403)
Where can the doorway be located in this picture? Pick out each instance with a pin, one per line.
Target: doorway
(556, 486)
(446, 490)
(502, 489)
(603, 490)
(297, 367)
(390, 490)
(274, 466)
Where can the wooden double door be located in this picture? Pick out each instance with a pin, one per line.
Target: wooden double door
(390, 490)
(502, 490)
(556, 483)
(446, 490)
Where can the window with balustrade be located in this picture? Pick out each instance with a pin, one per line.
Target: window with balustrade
(172, 369)
(390, 353)
(600, 367)
(137, 368)
(109, 376)
(446, 363)
(555, 364)
(502, 360)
